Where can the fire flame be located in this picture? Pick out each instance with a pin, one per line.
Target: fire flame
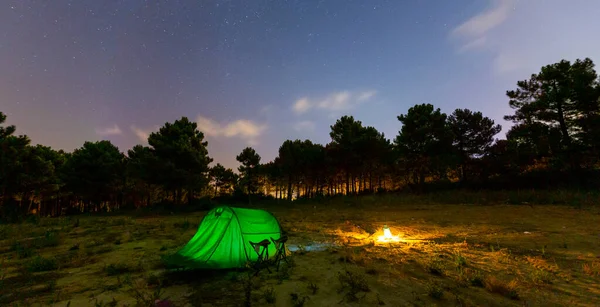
(387, 235)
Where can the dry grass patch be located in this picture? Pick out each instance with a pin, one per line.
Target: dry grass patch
(592, 268)
(355, 255)
(506, 289)
(352, 285)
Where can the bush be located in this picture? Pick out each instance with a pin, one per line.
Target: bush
(50, 239)
(4, 232)
(435, 291)
(495, 285)
(459, 260)
(352, 283)
(541, 277)
(185, 225)
(41, 264)
(269, 295)
(114, 269)
(22, 250)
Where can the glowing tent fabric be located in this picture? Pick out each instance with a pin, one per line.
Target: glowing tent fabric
(222, 239)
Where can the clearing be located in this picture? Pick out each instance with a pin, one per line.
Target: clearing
(450, 255)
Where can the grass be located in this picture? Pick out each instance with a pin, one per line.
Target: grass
(435, 291)
(115, 269)
(269, 295)
(541, 276)
(472, 278)
(22, 250)
(313, 288)
(352, 284)
(466, 249)
(592, 268)
(498, 286)
(459, 260)
(435, 267)
(41, 264)
(298, 300)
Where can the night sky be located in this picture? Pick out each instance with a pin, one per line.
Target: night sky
(254, 72)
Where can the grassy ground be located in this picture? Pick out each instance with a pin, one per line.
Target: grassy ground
(451, 255)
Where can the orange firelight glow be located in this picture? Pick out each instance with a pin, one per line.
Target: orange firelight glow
(387, 235)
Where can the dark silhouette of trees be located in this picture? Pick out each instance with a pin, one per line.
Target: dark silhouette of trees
(223, 179)
(473, 135)
(94, 174)
(290, 156)
(249, 170)
(141, 170)
(559, 106)
(182, 158)
(13, 168)
(424, 143)
(554, 142)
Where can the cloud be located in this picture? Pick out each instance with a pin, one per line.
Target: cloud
(336, 101)
(114, 130)
(304, 126)
(480, 24)
(364, 96)
(522, 36)
(301, 105)
(474, 44)
(241, 128)
(476, 28)
(141, 134)
(208, 126)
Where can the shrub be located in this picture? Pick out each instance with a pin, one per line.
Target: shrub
(476, 279)
(22, 250)
(494, 285)
(541, 277)
(298, 301)
(460, 260)
(4, 232)
(592, 268)
(435, 291)
(269, 295)
(313, 288)
(41, 264)
(185, 225)
(50, 239)
(353, 284)
(116, 269)
(435, 267)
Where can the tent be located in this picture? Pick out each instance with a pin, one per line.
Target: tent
(222, 239)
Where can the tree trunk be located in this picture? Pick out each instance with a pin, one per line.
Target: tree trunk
(573, 161)
(289, 189)
(347, 183)
(3, 197)
(30, 205)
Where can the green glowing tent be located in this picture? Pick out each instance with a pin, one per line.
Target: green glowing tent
(222, 239)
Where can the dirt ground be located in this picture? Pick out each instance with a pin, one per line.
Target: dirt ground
(448, 255)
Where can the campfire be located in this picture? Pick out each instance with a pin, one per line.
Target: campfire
(387, 235)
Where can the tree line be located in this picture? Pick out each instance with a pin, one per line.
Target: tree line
(554, 142)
